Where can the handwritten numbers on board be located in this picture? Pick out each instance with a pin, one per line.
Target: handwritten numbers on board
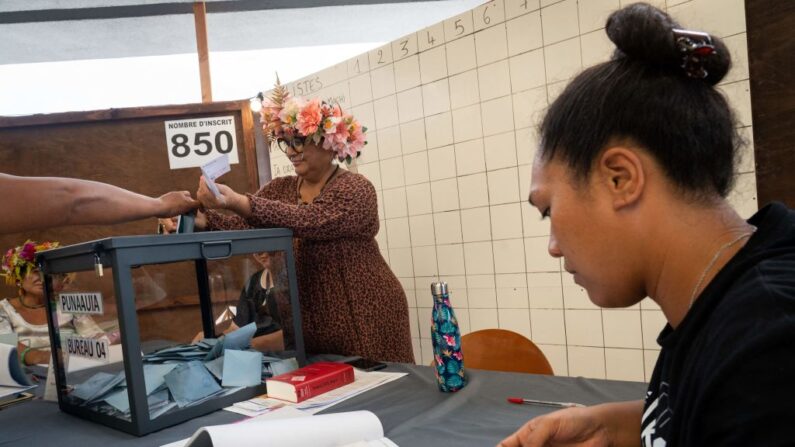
(488, 14)
(458, 26)
(515, 8)
(431, 37)
(380, 56)
(405, 46)
(358, 65)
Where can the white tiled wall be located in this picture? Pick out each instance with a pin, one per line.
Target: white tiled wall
(451, 111)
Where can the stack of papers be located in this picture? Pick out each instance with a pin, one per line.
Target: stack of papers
(185, 375)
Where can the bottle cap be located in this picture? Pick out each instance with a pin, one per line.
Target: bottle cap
(439, 288)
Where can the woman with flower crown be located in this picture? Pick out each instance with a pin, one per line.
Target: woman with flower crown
(351, 302)
(25, 315)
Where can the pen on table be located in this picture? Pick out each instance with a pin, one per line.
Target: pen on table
(549, 403)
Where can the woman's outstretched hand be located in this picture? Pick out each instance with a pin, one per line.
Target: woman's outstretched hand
(228, 199)
(175, 202)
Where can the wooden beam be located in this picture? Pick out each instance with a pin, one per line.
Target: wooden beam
(200, 19)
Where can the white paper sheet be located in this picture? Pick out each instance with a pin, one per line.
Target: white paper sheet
(355, 428)
(76, 363)
(214, 169)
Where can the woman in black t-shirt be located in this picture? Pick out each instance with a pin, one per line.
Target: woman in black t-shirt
(636, 160)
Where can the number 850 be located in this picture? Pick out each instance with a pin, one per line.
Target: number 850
(202, 144)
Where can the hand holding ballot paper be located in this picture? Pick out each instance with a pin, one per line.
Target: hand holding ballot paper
(213, 170)
(211, 195)
(217, 196)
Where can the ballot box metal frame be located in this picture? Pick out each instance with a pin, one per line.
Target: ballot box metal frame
(124, 253)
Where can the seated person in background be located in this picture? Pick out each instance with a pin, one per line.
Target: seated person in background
(26, 314)
(259, 303)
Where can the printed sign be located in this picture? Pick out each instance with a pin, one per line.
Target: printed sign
(90, 348)
(81, 303)
(193, 142)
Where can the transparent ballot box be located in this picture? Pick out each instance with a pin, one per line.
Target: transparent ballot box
(150, 331)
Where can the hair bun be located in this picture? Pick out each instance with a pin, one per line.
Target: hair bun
(642, 32)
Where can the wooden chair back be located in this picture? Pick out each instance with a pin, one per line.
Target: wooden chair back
(503, 350)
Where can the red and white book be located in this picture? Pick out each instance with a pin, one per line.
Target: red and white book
(309, 381)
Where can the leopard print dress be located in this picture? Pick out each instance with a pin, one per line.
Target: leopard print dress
(351, 302)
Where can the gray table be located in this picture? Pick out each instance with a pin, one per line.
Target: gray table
(411, 410)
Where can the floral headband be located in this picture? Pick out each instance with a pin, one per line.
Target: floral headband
(18, 261)
(296, 119)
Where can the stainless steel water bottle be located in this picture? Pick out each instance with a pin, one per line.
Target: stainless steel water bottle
(446, 340)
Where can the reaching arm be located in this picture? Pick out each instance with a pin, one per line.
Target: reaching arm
(34, 203)
(350, 211)
(608, 425)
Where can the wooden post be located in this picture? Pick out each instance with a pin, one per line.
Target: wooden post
(200, 19)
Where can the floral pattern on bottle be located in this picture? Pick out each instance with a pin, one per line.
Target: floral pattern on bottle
(446, 340)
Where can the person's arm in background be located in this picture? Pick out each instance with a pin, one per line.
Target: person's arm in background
(34, 203)
(614, 424)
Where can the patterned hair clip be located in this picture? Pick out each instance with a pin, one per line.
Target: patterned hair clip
(695, 46)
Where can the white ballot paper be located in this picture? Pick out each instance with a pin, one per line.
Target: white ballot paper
(213, 170)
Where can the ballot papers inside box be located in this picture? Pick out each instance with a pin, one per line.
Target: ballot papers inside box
(149, 331)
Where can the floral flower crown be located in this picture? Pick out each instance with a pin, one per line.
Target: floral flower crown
(296, 119)
(18, 261)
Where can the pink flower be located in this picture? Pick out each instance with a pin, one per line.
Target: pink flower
(342, 131)
(357, 139)
(309, 118)
(449, 339)
(28, 250)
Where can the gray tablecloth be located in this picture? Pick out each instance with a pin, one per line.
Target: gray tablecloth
(412, 411)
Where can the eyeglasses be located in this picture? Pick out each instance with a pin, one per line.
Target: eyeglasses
(297, 145)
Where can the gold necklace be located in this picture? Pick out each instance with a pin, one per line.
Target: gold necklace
(714, 259)
(22, 301)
